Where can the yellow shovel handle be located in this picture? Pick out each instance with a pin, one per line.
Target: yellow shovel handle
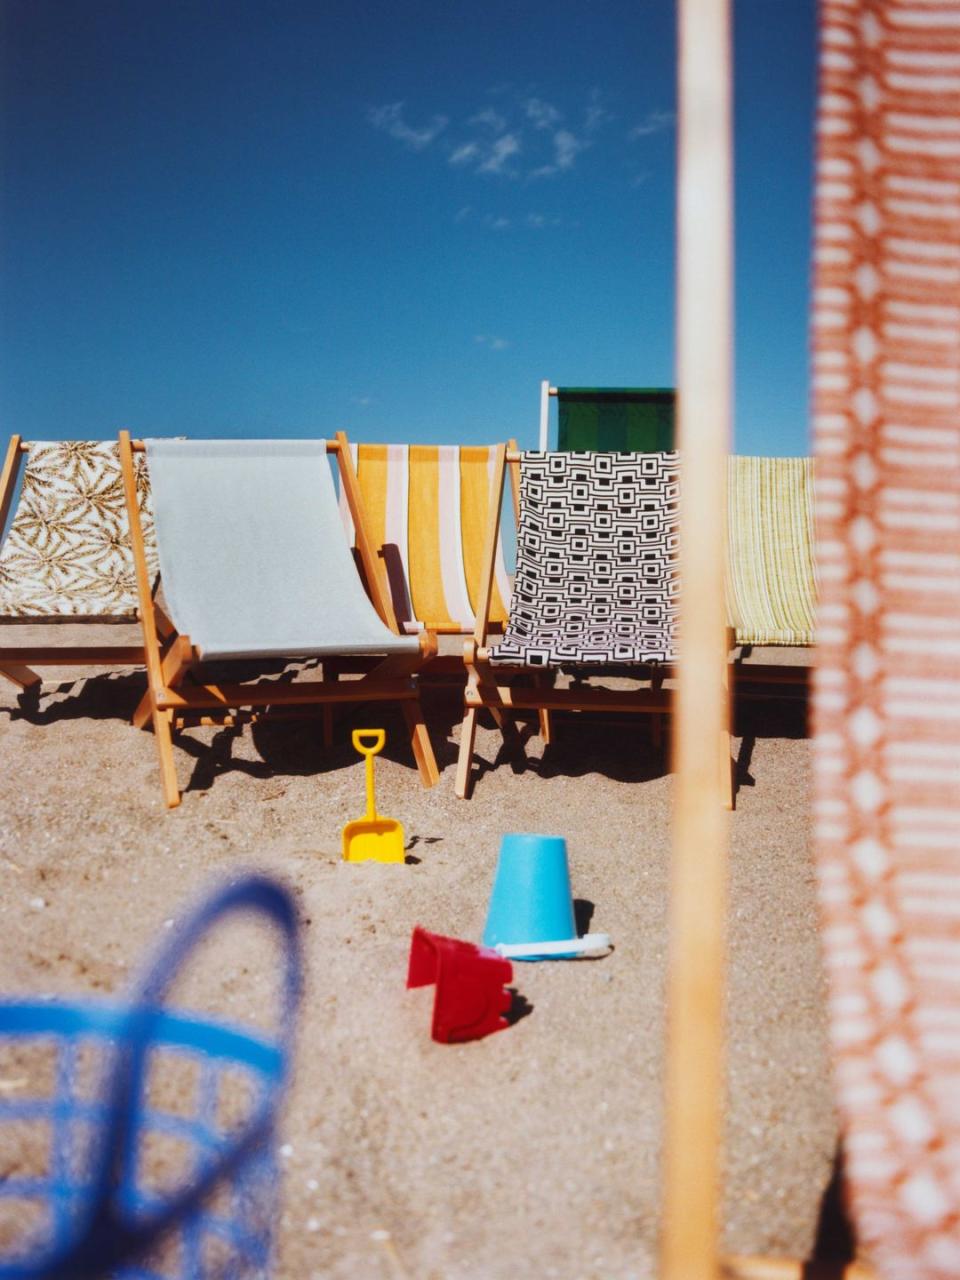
(379, 737)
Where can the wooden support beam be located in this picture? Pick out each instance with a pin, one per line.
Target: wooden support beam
(694, 1071)
(19, 675)
(8, 477)
(75, 656)
(275, 694)
(510, 697)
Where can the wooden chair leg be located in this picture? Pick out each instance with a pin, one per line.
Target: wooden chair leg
(546, 726)
(420, 742)
(468, 734)
(22, 677)
(162, 729)
(543, 715)
(728, 766)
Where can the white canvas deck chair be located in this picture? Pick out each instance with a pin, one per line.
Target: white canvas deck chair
(596, 588)
(67, 556)
(254, 565)
(426, 508)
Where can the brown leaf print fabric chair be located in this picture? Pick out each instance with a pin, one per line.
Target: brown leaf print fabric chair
(66, 557)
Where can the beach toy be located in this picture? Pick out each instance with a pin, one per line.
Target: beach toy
(470, 1000)
(145, 1177)
(372, 837)
(531, 907)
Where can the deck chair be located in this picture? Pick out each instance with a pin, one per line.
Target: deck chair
(622, 419)
(426, 509)
(771, 581)
(596, 587)
(254, 566)
(66, 557)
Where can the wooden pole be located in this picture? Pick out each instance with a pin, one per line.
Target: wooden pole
(8, 478)
(695, 990)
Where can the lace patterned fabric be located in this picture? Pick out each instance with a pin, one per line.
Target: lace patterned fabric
(68, 554)
(886, 350)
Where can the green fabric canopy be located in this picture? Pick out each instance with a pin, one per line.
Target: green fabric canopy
(616, 419)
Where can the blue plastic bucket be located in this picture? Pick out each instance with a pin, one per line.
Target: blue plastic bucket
(531, 899)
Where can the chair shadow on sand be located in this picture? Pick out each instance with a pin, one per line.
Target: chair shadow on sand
(782, 717)
(110, 696)
(288, 748)
(582, 745)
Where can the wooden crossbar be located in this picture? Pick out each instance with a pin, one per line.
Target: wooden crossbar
(75, 655)
(512, 698)
(274, 693)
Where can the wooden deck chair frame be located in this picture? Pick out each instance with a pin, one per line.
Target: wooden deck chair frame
(180, 694)
(17, 661)
(502, 699)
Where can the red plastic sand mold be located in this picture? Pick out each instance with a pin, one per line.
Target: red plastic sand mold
(470, 1001)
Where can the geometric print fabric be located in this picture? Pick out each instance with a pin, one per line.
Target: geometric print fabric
(886, 354)
(68, 554)
(597, 560)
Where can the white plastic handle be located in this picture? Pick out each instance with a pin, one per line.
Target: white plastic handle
(573, 946)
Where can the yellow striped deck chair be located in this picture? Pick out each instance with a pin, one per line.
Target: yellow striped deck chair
(426, 508)
(771, 570)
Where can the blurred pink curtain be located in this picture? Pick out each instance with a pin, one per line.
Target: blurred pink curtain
(886, 353)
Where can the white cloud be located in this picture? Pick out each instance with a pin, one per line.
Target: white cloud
(543, 114)
(566, 147)
(464, 213)
(496, 223)
(489, 117)
(493, 139)
(596, 114)
(500, 152)
(538, 220)
(489, 340)
(465, 153)
(390, 119)
(653, 122)
(362, 401)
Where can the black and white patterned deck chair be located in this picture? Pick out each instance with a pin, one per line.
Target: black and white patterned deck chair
(596, 586)
(67, 557)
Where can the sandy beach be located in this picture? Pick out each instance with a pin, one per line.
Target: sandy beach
(533, 1153)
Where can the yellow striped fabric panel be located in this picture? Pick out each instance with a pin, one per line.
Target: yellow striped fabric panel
(372, 475)
(424, 541)
(474, 513)
(771, 574)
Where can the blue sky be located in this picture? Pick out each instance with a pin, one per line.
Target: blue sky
(237, 217)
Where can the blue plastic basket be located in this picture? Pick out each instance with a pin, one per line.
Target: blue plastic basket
(86, 1152)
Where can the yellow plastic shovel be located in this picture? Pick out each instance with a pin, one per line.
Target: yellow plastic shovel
(372, 837)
